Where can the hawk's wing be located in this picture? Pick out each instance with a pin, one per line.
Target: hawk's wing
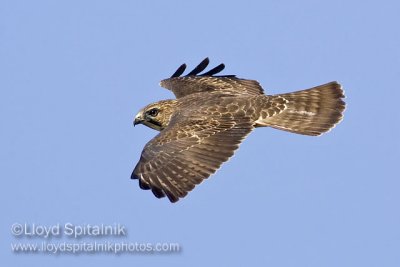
(189, 151)
(206, 82)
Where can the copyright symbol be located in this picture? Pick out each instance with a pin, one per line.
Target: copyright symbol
(17, 229)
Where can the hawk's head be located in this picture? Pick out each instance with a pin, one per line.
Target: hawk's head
(156, 115)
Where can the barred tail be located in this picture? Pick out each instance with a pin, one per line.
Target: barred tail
(310, 112)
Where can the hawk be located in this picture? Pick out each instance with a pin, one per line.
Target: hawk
(210, 117)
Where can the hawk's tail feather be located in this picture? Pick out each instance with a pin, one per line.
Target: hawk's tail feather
(311, 112)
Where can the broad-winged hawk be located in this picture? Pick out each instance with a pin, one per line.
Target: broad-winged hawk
(211, 115)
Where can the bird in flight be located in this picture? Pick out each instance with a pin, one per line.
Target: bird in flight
(210, 117)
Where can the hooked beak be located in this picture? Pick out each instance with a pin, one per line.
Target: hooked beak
(138, 120)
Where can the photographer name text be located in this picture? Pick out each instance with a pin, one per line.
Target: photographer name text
(68, 229)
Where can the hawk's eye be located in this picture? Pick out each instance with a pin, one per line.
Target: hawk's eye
(153, 112)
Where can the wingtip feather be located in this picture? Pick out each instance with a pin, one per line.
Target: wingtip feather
(199, 68)
(179, 71)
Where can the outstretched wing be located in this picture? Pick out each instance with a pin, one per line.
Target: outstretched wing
(189, 151)
(194, 82)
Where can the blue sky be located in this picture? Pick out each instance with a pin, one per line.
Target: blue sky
(74, 74)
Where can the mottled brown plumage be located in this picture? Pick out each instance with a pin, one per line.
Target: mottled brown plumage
(211, 116)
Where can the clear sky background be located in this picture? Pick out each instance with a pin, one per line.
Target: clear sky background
(73, 74)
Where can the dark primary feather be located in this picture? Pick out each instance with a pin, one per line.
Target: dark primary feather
(215, 70)
(179, 71)
(200, 67)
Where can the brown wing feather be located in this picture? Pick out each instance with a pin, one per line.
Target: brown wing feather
(183, 86)
(187, 152)
(194, 82)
